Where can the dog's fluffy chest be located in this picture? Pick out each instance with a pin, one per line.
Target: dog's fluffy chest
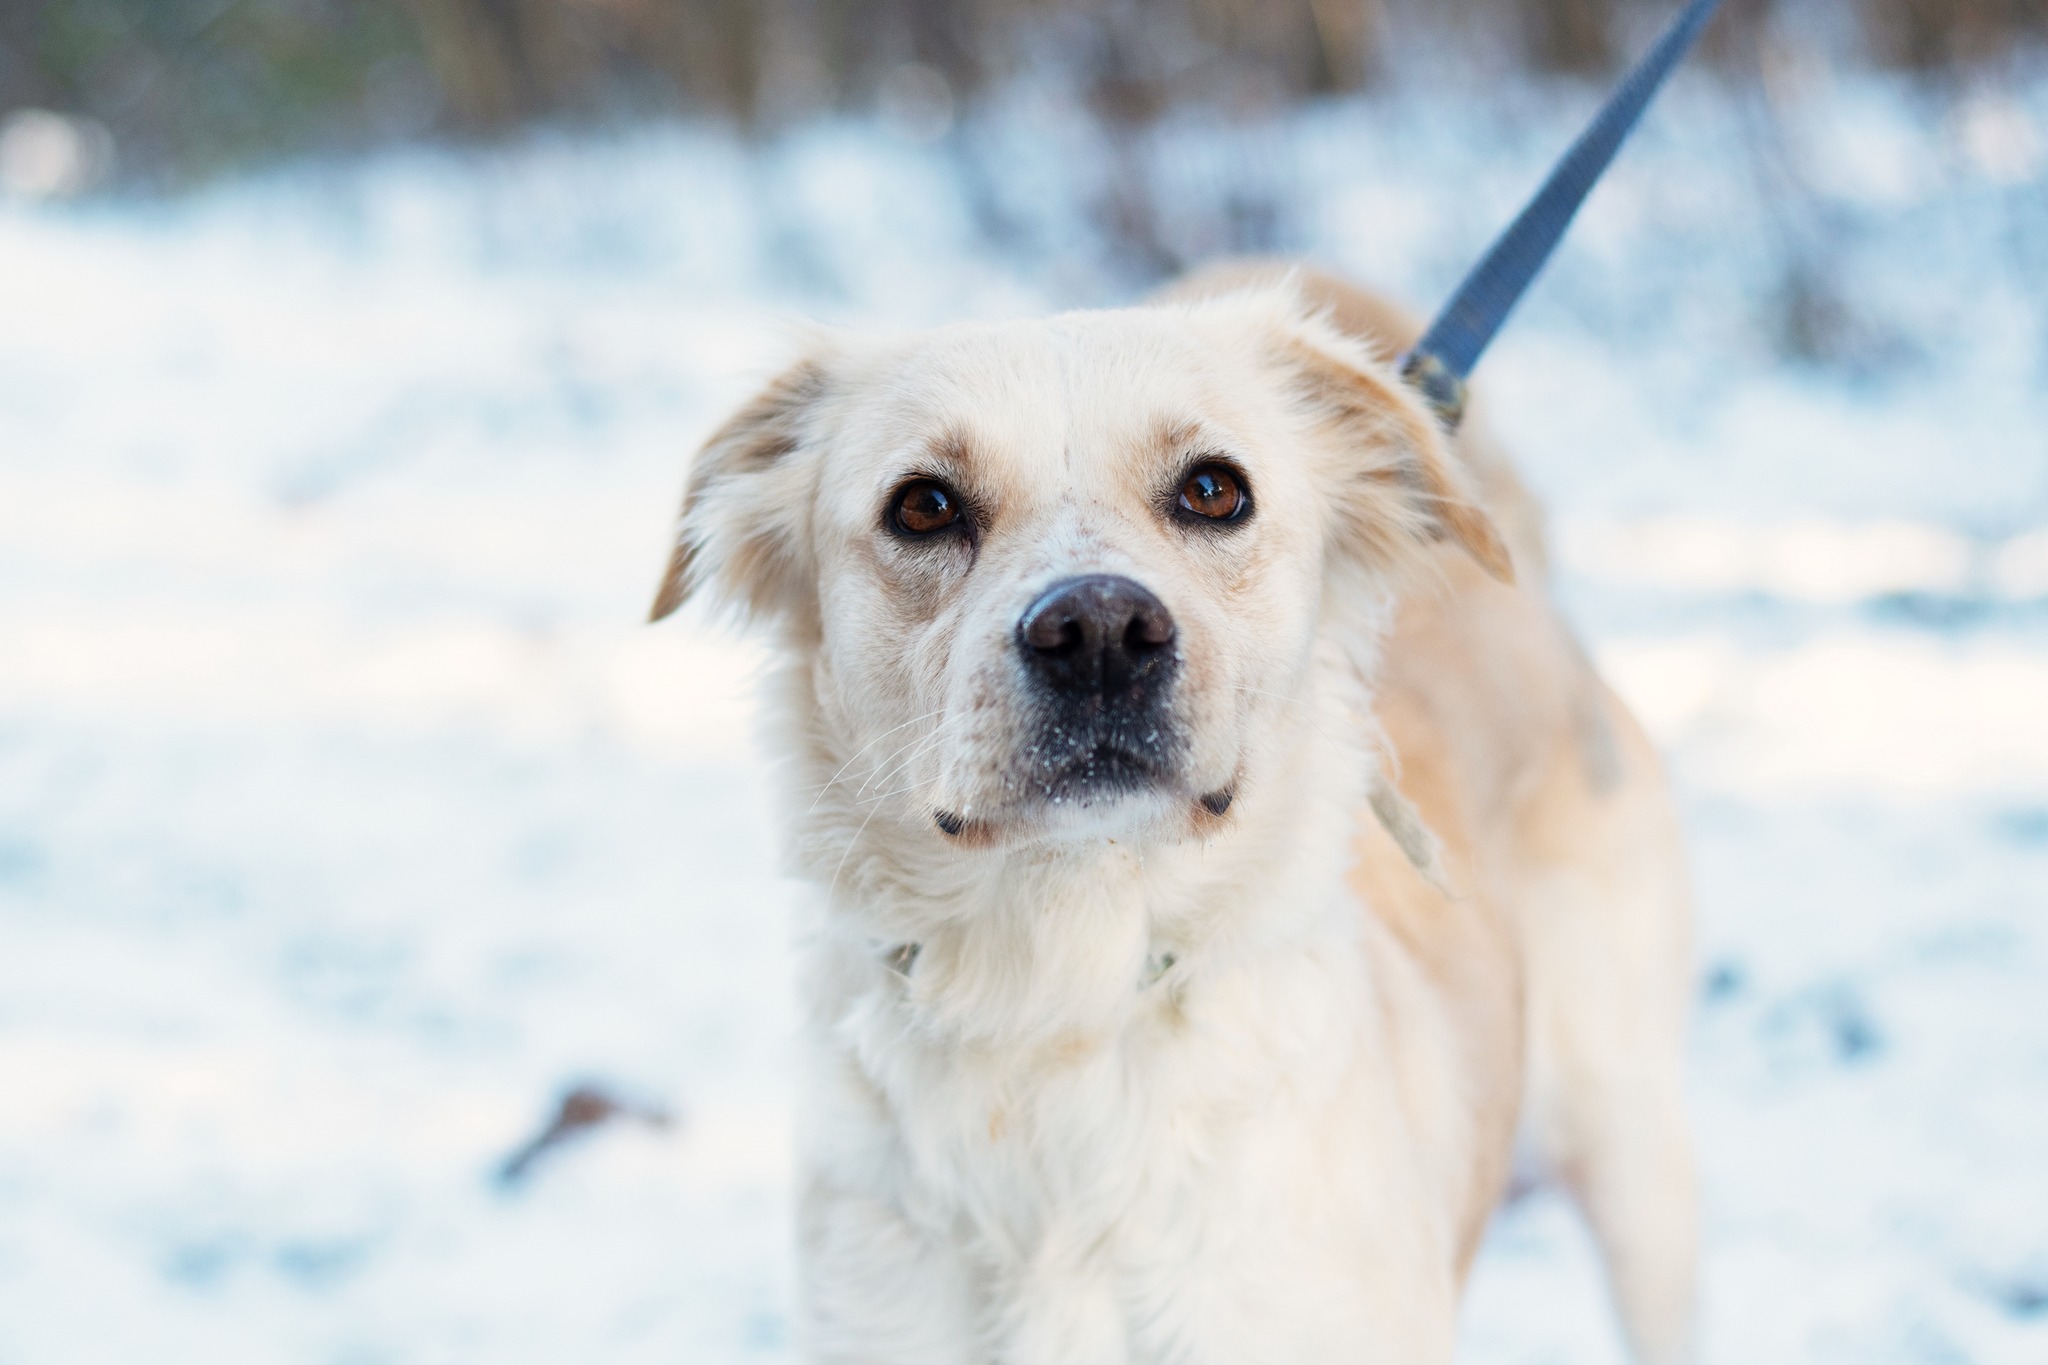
(1185, 1180)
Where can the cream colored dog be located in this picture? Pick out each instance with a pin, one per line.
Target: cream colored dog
(1221, 845)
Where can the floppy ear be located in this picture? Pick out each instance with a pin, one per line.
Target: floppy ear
(745, 509)
(1402, 481)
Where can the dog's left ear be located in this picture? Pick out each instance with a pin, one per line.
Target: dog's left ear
(741, 532)
(1402, 482)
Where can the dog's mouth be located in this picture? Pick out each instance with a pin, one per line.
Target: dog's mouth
(1106, 773)
(1102, 773)
(1073, 773)
(1106, 783)
(1098, 758)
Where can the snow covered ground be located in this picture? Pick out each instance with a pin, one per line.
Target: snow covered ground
(348, 813)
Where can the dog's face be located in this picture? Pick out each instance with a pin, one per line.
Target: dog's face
(1056, 578)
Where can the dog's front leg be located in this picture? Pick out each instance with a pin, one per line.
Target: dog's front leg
(878, 1291)
(1062, 1309)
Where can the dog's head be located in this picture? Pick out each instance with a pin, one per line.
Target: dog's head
(1051, 578)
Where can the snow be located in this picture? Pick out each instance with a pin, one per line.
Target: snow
(348, 813)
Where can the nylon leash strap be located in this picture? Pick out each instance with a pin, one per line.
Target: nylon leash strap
(1441, 362)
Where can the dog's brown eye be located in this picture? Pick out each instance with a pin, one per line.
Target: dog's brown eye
(924, 507)
(1214, 493)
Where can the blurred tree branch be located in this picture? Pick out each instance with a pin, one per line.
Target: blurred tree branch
(189, 84)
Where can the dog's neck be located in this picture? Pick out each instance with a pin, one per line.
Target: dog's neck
(1042, 943)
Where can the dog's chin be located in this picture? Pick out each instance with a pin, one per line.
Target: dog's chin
(1086, 815)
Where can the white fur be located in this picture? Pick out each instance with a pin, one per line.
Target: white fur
(1036, 1146)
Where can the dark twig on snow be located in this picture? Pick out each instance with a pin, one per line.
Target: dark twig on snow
(583, 1107)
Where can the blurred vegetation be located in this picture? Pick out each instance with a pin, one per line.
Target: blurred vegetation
(187, 86)
(192, 84)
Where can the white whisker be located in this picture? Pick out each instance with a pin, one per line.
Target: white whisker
(830, 781)
(879, 797)
(887, 769)
(832, 886)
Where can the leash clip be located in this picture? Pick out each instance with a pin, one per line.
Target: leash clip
(1440, 385)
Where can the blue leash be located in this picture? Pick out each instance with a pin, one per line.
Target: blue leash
(1440, 362)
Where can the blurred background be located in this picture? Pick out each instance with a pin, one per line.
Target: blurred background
(349, 819)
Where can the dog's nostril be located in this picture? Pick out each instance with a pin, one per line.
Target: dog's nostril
(1148, 630)
(1052, 632)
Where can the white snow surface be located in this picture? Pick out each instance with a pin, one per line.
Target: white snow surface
(348, 812)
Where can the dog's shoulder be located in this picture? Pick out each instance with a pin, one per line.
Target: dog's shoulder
(1446, 933)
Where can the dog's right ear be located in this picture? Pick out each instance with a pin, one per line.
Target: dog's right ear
(742, 530)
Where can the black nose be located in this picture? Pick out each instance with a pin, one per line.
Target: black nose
(1098, 636)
